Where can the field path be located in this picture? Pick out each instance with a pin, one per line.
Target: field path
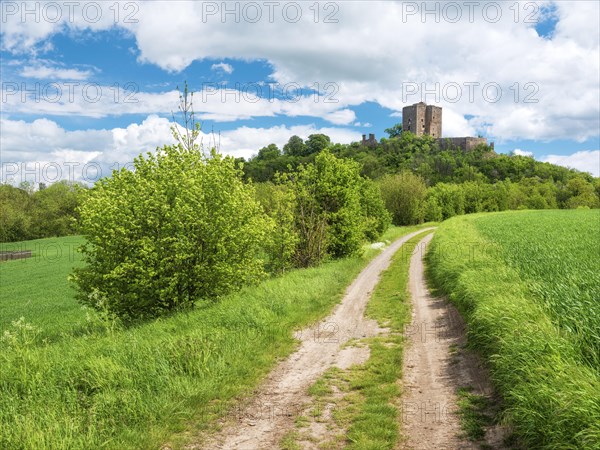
(436, 365)
(270, 413)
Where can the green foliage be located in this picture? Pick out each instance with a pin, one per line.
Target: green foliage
(377, 219)
(269, 152)
(55, 209)
(328, 214)
(295, 147)
(15, 220)
(395, 131)
(449, 198)
(403, 195)
(527, 284)
(279, 201)
(491, 182)
(178, 229)
(317, 143)
(28, 214)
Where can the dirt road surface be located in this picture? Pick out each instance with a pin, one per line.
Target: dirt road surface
(270, 413)
(436, 365)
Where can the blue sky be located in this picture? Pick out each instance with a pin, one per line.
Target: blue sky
(81, 90)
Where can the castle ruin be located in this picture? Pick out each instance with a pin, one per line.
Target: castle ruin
(422, 119)
(371, 142)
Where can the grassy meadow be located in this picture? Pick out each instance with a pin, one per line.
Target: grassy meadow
(71, 382)
(37, 288)
(528, 285)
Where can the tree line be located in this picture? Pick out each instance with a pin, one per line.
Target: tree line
(50, 211)
(422, 182)
(186, 227)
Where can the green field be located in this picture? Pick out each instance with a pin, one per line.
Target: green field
(100, 386)
(37, 288)
(528, 285)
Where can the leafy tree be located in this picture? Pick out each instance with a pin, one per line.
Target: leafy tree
(55, 209)
(279, 202)
(581, 194)
(395, 131)
(295, 147)
(269, 152)
(180, 228)
(329, 216)
(449, 198)
(403, 195)
(317, 143)
(15, 218)
(377, 219)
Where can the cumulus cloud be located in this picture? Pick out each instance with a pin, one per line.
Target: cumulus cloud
(584, 161)
(227, 68)
(43, 151)
(212, 103)
(519, 152)
(525, 86)
(54, 73)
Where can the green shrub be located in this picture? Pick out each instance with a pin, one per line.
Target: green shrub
(377, 219)
(329, 216)
(278, 202)
(179, 228)
(404, 194)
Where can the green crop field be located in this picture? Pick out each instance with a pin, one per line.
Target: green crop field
(528, 284)
(557, 254)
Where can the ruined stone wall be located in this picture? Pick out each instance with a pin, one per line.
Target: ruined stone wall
(465, 143)
(433, 121)
(413, 118)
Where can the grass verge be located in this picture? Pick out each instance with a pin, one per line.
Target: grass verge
(551, 394)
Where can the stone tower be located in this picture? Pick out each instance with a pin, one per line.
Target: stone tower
(422, 119)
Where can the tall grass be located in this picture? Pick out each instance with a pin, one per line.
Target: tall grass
(507, 275)
(144, 386)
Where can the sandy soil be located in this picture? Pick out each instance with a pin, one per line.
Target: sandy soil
(264, 419)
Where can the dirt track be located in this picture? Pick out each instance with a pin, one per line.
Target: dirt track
(270, 413)
(436, 365)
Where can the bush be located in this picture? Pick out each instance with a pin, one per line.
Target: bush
(403, 195)
(278, 202)
(377, 219)
(329, 216)
(180, 228)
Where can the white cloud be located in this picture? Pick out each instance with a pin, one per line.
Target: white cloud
(366, 54)
(54, 73)
(217, 104)
(584, 161)
(34, 150)
(341, 117)
(519, 152)
(227, 68)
